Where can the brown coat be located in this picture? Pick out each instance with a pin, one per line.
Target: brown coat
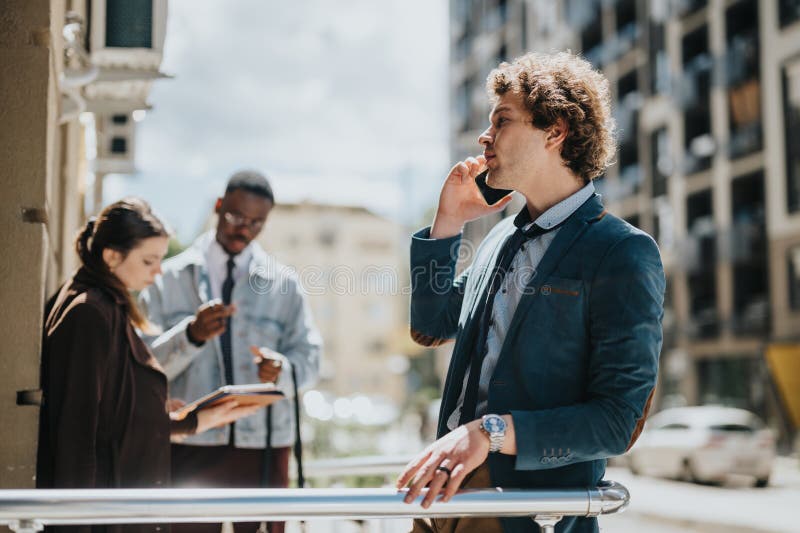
(104, 421)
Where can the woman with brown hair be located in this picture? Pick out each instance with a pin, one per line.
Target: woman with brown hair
(104, 422)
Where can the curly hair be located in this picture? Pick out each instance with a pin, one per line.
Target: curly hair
(562, 85)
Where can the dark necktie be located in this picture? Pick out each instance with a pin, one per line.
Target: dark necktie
(504, 258)
(225, 338)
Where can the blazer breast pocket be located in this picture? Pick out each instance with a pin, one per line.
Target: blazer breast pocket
(552, 339)
(561, 298)
(557, 316)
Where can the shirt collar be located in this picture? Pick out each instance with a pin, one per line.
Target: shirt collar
(217, 254)
(556, 215)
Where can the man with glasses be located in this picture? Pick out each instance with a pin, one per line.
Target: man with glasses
(231, 314)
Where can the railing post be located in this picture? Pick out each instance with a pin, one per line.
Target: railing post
(547, 523)
(26, 526)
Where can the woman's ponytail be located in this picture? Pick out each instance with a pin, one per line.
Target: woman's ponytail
(82, 242)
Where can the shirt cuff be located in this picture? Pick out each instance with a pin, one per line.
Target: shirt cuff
(192, 340)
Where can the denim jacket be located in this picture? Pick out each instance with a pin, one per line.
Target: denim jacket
(271, 311)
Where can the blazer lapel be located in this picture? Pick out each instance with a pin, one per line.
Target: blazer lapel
(570, 232)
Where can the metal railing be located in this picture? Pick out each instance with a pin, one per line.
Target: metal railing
(29, 510)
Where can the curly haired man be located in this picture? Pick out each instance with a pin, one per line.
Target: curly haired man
(557, 322)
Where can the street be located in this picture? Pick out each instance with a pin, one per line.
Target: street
(666, 506)
(678, 506)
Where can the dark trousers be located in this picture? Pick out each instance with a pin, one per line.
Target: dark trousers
(227, 467)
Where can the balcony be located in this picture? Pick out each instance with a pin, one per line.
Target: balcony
(694, 86)
(703, 323)
(744, 103)
(753, 318)
(687, 7)
(699, 255)
(630, 180)
(624, 40)
(741, 60)
(700, 150)
(789, 12)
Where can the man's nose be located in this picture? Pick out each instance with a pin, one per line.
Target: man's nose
(485, 138)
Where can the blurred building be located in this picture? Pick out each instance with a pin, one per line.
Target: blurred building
(352, 265)
(75, 75)
(707, 102)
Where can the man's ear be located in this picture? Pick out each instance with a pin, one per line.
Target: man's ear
(557, 134)
(112, 258)
(218, 205)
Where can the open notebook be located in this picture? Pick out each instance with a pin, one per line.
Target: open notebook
(262, 394)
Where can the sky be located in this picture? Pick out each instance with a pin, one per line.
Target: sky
(340, 102)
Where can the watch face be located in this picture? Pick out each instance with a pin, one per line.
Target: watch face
(494, 424)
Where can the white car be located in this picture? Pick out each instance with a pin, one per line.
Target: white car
(704, 444)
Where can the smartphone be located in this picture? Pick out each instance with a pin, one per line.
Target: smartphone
(490, 194)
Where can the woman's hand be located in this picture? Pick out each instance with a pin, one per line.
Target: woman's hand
(173, 404)
(223, 414)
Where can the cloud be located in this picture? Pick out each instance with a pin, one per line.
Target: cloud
(342, 90)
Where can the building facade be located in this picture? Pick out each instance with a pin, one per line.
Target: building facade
(707, 104)
(68, 68)
(351, 263)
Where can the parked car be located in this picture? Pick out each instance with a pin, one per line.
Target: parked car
(704, 444)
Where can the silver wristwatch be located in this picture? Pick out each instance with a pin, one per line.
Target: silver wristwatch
(495, 427)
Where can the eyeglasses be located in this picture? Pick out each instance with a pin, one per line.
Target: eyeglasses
(238, 220)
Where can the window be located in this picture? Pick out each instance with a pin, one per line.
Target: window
(120, 119)
(628, 124)
(660, 161)
(461, 107)
(129, 23)
(701, 260)
(749, 256)
(788, 12)
(462, 48)
(687, 7)
(119, 145)
(663, 225)
(695, 96)
(791, 113)
(627, 27)
(675, 425)
(327, 237)
(732, 428)
(742, 78)
(658, 60)
(587, 16)
(732, 381)
(502, 54)
(793, 264)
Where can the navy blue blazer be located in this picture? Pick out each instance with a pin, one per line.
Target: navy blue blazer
(578, 366)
